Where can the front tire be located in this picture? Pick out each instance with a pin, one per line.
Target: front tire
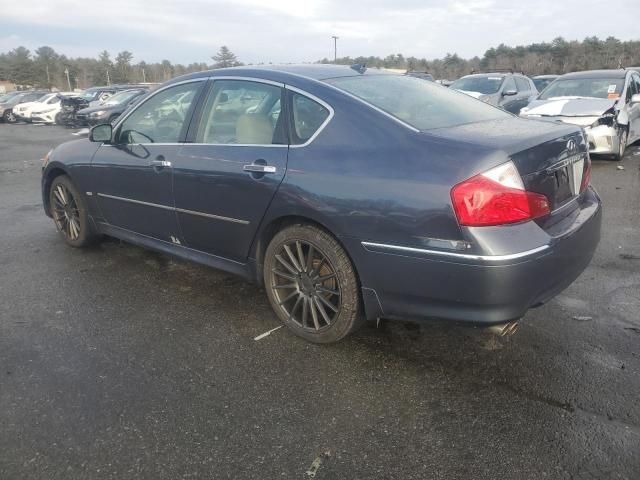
(69, 212)
(9, 117)
(622, 144)
(311, 284)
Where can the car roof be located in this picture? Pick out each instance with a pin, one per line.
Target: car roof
(617, 73)
(544, 77)
(311, 71)
(496, 74)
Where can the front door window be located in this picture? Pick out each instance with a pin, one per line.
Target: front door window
(162, 118)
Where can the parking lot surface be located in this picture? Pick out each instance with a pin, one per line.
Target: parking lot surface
(121, 363)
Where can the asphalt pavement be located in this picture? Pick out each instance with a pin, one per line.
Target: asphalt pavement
(121, 363)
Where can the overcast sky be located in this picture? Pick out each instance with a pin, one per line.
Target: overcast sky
(300, 30)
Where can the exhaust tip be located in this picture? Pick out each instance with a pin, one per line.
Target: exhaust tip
(504, 329)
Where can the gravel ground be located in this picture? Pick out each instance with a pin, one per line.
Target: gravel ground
(120, 363)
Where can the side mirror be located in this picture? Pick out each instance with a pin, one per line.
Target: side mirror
(509, 93)
(101, 133)
(635, 99)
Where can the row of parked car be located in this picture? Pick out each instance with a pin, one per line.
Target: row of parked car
(92, 106)
(605, 103)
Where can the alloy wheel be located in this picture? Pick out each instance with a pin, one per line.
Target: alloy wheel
(305, 285)
(65, 212)
(10, 117)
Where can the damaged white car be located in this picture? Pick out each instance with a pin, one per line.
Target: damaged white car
(606, 103)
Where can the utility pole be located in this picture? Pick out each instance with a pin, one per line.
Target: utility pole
(335, 48)
(66, 72)
(48, 79)
(108, 79)
(144, 77)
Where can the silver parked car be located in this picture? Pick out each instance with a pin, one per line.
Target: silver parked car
(606, 103)
(509, 91)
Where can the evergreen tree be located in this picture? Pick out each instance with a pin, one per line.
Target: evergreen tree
(225, 58)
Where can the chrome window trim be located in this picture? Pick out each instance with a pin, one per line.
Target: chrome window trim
(398, 249)
(153, 94)
(246, 79)
(180, 210)
(269, 145)
(317, 100)
(377, 109)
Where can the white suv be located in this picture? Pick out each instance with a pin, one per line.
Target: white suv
(23, 111)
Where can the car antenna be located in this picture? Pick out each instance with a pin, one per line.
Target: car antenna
(359, 67)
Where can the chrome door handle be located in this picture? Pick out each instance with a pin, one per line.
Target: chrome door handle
(257, 168)
(160, 163)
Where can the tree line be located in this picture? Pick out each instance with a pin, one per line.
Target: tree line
(556, 57)
(46, 68)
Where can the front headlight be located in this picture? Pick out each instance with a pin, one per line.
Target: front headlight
(606, 119)
(99, 113)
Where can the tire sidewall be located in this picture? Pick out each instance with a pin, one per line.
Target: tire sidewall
(623, 145)
(9, 117)
(349, 316)
(86, 235)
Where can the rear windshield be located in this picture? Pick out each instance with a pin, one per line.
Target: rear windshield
(584, 87)
(542, 83)
(423, 105)
(483, 85)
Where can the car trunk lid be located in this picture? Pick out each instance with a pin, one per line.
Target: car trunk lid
(551, 158)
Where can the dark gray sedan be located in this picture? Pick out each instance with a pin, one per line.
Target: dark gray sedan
(349, 193)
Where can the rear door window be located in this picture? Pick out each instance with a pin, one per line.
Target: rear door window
(307, 117)
(242, 112)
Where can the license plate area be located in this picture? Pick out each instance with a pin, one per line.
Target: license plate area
(568, 179)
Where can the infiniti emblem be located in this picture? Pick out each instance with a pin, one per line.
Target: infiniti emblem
(572, 146)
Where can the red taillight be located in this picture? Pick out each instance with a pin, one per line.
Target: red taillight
(496, 197)
(586, 176)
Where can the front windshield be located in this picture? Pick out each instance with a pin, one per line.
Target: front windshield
(483, 85)
(609, 88)
(423, 105)
(88, 95)
(122, 97)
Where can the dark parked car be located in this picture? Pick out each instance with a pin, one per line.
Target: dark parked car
(112, 107)
(349, 194)
(10, 100)
(510, 91)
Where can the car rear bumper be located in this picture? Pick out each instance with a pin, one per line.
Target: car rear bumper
(408, 282)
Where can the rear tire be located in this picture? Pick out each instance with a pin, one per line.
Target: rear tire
(311, 284)
(69, 212)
